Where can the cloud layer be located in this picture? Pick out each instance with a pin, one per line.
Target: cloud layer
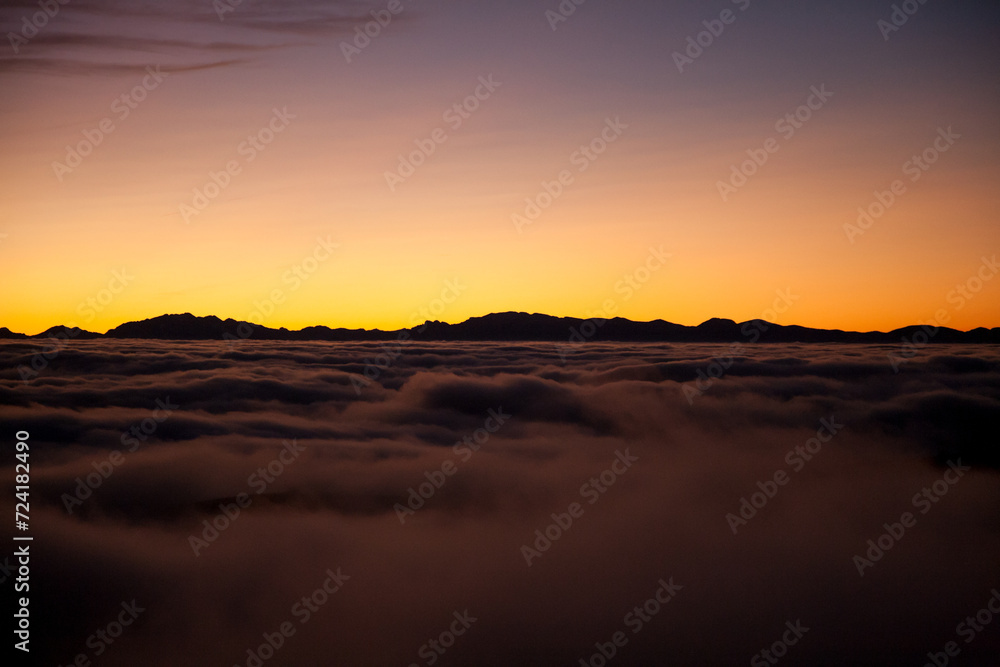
(501, 437)
(86, 37)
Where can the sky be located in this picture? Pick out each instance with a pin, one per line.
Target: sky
(244, 160)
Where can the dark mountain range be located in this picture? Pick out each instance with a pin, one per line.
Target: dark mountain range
(527, 327)
(7, 333)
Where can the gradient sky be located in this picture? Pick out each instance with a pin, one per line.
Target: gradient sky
(656, 186)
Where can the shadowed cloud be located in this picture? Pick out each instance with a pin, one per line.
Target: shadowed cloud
(360, 453)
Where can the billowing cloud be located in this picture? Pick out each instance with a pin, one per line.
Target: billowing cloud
(324, 454)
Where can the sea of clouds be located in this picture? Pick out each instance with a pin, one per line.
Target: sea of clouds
(216, 486)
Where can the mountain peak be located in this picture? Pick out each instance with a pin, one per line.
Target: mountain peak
(717, 322)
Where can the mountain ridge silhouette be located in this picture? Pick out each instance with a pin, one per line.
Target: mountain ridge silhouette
(519, 326)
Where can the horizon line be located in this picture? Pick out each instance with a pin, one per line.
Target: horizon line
(721, 320)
